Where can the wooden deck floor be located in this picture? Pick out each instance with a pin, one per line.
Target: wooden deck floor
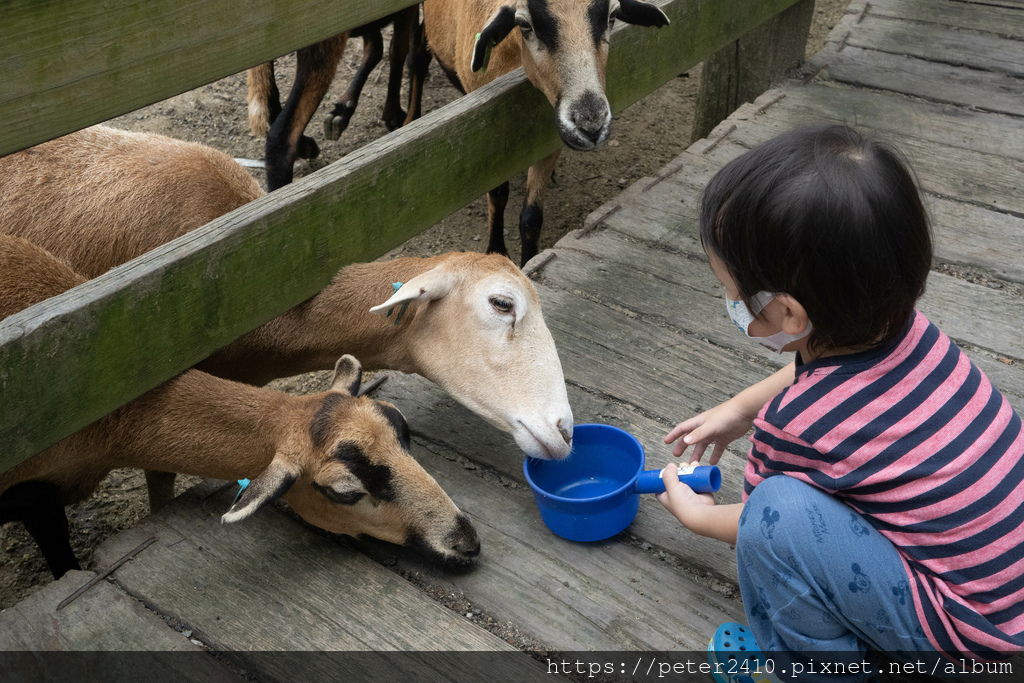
(645, 341)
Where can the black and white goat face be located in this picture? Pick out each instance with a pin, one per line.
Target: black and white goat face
(564, 53)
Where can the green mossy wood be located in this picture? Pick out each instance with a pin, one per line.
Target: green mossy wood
(69, 64)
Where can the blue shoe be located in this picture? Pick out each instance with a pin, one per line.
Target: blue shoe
(735, 657)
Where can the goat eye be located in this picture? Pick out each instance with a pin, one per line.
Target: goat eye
(525, 27)
(347, 498)
(350, 498)
(502, 304)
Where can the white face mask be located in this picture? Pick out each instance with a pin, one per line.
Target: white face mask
(742, 316)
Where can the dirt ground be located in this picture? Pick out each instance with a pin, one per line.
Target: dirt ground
(646, 136)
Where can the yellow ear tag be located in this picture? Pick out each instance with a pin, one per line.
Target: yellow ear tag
(487, 54)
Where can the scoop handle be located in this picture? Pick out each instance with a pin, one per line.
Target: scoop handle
(702, 479)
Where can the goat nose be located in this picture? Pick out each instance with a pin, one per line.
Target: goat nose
(470, 547)
(590, 115)
(590, 126)
(566, 433)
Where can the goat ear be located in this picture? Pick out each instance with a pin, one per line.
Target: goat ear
(497, 28)
(348, 375)
(433, 284)
(639, 13)
(271, 484)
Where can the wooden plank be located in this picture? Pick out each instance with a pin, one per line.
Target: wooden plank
(985, 90)
(989, 184)
(104, 618)
(897, 116)
(71, 360)
(610, 595)
(986, 180)
(1013, 4)
(678, 231)
(943, 83)
(1002, 21)
(323, 595)
(678, 289)
(939, 44)
(971, 235)
(70, 64)
(983, 245)
(899, 119)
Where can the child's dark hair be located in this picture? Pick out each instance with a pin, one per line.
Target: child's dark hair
(831, 218)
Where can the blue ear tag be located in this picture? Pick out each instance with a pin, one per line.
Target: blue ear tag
(397, 286)
(243, 484)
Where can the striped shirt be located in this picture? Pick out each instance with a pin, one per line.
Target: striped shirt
(915, 438)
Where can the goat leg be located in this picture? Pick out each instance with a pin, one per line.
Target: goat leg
(405, 23)
(531, 218)
(264, 99)
(38, 505)
(497, 200)
(419, 64)
(161, 488)
(317, 65)
(373, 51)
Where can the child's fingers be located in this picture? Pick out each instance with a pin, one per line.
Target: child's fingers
(717, 453)
(698, 451)
(670, 475)
(671, 480)
(682, 428)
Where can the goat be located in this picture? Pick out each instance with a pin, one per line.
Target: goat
(563, 47)
(317, 65)
(341, 462)
(474, 326)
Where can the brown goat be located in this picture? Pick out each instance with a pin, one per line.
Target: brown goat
(563, 47)
(341, 462)
(474, 326)
(315, 70)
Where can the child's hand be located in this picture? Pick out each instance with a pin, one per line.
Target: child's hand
(678, 498)
(721, 425)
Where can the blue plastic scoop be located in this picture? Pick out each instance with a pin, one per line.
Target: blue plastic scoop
(592, 494)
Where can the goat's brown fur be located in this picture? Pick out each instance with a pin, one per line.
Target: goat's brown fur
(83, 197)
(453, 341)
(206, 426)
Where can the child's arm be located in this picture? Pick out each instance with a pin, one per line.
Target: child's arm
(730, 420)
(698, 511)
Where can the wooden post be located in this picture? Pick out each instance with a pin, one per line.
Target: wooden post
(744, 69)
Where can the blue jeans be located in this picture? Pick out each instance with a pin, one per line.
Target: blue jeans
(819, 584)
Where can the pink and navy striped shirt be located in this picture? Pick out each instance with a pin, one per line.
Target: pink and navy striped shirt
(914, 437)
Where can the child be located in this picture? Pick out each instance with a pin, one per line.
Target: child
(884, 486)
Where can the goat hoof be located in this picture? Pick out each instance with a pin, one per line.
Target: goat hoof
(307, 148)
(337, 121)
(394, 121)
(333, 127)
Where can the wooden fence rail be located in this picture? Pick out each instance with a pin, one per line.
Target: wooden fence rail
(67, 64)
(76, 357)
